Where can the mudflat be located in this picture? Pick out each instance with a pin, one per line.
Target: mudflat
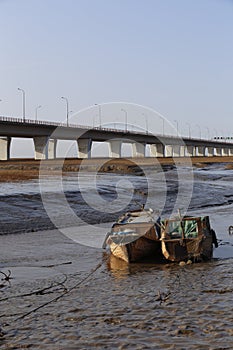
(25, 169)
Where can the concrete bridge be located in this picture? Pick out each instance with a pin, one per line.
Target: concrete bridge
(46, 134)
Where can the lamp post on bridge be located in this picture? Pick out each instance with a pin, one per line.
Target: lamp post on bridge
(146, 119)
(67, 109)
(36, 110)
(199, 129)
(189, 130)
(177, 131)
(208, 130)
(99, 106)
(126, 115)
(23, 95)
(163, 125)
(216, 134)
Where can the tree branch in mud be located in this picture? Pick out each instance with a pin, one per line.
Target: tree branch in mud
(6, 278)
(43, 291)
(67, 291)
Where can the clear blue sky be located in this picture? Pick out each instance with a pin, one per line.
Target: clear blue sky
(175, 56)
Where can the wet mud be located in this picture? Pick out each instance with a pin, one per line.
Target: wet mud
(102, 302)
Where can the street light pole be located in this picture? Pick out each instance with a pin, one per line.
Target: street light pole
(99, 106)
(67, 109)
(208, 130)
(23, 94)
(36, 109)
(146, 122)
(199, 129)
(163, 124)
(189, 130)
(176, 127)
(126, 115)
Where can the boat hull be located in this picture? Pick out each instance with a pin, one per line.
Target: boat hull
(176, 240)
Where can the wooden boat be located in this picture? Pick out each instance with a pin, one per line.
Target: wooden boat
(136, 236)
(188, 238)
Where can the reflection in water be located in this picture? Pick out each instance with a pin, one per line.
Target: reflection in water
(118, 267)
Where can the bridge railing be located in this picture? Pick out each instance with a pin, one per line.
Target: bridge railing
(100, 128)
(70, 125)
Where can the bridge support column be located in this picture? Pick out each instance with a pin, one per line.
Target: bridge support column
(218, 151)
(210, 151)
(182, 151)
(84, 148)
(153, 150)
(52, 148)
(41, 147)
(230, 152)
(225, 152)
(168, 151)
(139, 149)
(5, 143)
(189, 151)
(115, 148)
(200, 151)
(176, 151)
(156, 150)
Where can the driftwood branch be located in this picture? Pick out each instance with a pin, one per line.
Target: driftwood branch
(7, 278)
(43, 291)
(67, 291)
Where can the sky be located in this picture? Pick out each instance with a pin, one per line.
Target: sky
(173, 56)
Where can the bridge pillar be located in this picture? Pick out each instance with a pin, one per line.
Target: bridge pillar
(200, 151)
(189, 151)
(156, 150)
(41, 147)
(210, 151)
(182, 151)
(115, 148)
(168, 151)
(139, 149)
(52, 148)
(5, 143)
(230, 152)
(84, 148)
(218, 151)
(176, 151)
(225, 152)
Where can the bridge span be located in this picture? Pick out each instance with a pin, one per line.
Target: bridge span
(46, 134)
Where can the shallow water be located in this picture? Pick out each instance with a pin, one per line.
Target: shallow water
(118, 306)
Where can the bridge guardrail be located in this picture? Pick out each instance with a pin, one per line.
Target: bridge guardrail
(86, 127)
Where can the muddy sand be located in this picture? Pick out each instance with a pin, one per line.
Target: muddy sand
(25, 169)
(64, 295)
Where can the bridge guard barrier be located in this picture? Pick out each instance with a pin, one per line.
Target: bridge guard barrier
(5, 143)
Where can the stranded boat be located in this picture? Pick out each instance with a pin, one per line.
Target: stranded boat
(136, 236)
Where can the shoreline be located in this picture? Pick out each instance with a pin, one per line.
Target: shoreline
(27, 169)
